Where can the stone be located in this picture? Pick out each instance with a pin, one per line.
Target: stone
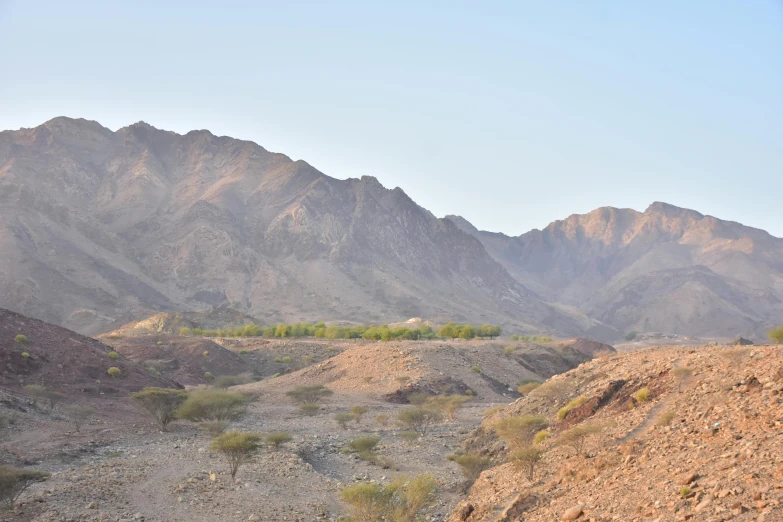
(687, 478)
(572, 513)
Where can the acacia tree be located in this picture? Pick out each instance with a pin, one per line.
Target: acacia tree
(236, 446)
(418, 419)
(161, 403)
(776, 334)
(14, 481)
(213, 405)
(309, 394)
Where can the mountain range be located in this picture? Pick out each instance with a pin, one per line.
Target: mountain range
(99, 227)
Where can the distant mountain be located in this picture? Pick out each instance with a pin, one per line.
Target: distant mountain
(666, 269)
(98, 228)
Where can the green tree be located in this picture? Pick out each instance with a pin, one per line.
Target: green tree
(161, 403)
(418, 419)
(357, 412)
(236, 447)
(630, 336)
(776, 334)
(448, 330)
(14, 481)
(400, 501)
(283, 330)
(309, 394)
(342, 419)
(467, 332)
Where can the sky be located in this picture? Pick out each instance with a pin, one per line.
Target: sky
(510, 114)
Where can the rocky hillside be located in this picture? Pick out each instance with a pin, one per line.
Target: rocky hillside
(99, 227)
(666, 269)
(34, 352)
(662, 434)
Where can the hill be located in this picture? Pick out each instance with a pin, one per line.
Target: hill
(170, 323)
(667, 269)
(703, 442)
(64, 361)
(99, 227)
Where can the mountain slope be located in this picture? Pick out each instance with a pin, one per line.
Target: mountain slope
(666, 269)
(100, 227)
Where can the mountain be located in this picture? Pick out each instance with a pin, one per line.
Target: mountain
(666, 269)
(98, 228)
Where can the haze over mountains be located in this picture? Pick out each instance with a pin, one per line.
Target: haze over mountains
(100, 227)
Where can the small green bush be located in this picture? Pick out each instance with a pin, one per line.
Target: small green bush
(114, 371)
(402, 379)
(402, 500)
(493, 410)
(213, 428)
(418, 419)
(517, 431)
(685, 491)
(309, 408)
(25, 355)
(357, 412)
(236, 446)
(776, 335)
(309, 394)
(526, 458)
(382, 419)
(475, 369)
(278, 438)
(207, 375)
(563, 412)
(642, 395)
(409, 436)
(213, 405)
(21, 339)
(364, 444)
(418, 398)
(471, 466)
(528, 386)
(665, 418)
(161, 403)
(113, 356)
(577, 436)
(159, 343)
(540, 437)
(343, 419)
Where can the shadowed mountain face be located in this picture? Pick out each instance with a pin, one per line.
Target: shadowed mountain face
(667, 269)
(100, 227)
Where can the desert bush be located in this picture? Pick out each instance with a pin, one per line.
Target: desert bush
(418, 398)
(114, 371)
(448, 404)
(493, 410)
(554, 391)
(508, 350)
(402, 379)
(78, 415)
(309, 394)
(159, 343)
(309, 408)
(540, 437)
(208, 375)
(409, 436)
(418, 419)
(342, 419)
(400, 501)
(471, 466)
(563, 412)
(213, 428)
(681, 374)
(357, 412)
(278, 438)
(14, 481)
(685, 491)
(212, 405)
(526, 458)
(776, 335)
(113, 355)
(528, 386)
(21, 339)
(36, 392)
(364, 444)
(577, 436)
(368, 379)
(382, 419)
(517, 431)
(26, 355)
(475, 369)
(665, 418)
(642, 395)
(236, 447)
(206, 353)
(226, 381)
(630, 336)
(161, 403)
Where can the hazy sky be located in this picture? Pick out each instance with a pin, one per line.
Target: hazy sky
(511, 114)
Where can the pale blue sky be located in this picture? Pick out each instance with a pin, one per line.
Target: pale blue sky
(511, 114)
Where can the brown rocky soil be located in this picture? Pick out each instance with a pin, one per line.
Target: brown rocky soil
(724, 443)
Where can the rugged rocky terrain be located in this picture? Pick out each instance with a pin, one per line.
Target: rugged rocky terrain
(171, 323)
(99, 227)
(666, 269)
(705, 444)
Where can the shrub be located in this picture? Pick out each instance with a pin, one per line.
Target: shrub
(642, 395)
(776, 335)
(206, 352)
(36, 392)
(212, 405)
(26, 355)
(518, 431)
(21, 339)
(278, 438)
(528, 386)
(244, 352)
(213, 428)
(113, 355)
(577, 436)
(475, 369)
(309, 408)
(553, 391)
(79, 415)
(382, 419)
(665, 418)
(681, 374)
(14, 481)
(418, 398)
(563, 412)
(493, 410)
(448, 404)
(236, 447)
(471, 466)
(630, 336)
(402, 379)
(226, 381)
(114, 371)
(343, 419)
(364, 444)
(309, 394)
(526, 458)
(357, 412)
(685, 491)
(418, 419)
(159, 343)
(540, 437)
(409, 436)
(402, 500)
(161, 403)
(208, 375)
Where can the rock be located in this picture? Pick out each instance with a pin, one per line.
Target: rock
(92, 505)
(687, 478)
(572, 513)
(702, 505)
(253, 517)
